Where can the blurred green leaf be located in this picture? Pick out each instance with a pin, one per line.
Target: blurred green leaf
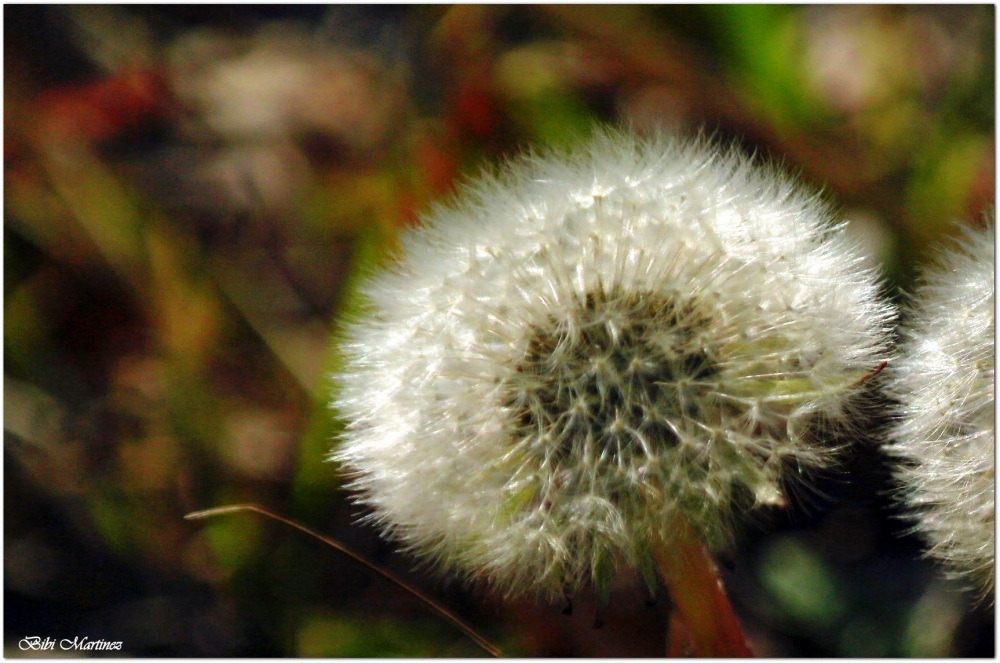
(800, 581)
(235, 540)
(765, 45)
(316, 480)
(339, 636)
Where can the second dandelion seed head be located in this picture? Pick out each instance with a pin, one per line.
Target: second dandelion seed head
(944, 433)
(591, 346)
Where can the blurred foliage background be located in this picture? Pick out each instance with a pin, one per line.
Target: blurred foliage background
(190, 192)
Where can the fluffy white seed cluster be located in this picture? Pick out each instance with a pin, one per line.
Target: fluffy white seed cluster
(590, 345)
(944, 382)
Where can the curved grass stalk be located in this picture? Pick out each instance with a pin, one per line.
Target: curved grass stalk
(482, 642)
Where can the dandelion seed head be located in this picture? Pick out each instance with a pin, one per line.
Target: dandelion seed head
(944, 434)
(586, 346)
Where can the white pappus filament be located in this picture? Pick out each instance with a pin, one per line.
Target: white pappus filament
(944, 433)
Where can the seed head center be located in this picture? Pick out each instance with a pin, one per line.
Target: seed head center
(618, 373)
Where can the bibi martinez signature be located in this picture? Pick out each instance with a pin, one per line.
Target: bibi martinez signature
(36, 643)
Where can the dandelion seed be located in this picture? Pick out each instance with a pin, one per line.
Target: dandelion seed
(591, 346)
(944, 382)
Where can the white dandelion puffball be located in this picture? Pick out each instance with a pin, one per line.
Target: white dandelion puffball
(590, 345)
(944, 382)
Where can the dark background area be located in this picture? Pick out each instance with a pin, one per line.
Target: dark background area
(192, 191)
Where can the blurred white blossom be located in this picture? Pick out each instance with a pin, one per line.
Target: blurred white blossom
(944, 436)
(260, 112)
(281, 82)
(588, 346)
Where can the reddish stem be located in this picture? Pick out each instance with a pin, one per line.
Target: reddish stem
(678, 638)
(703, 617)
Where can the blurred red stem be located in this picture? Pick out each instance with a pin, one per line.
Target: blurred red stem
(703, 617)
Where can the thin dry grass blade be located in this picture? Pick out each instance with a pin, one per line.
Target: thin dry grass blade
(483, 643)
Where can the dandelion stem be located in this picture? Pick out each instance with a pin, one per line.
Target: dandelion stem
(482, 642)
(703, 618)
(678, 638)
